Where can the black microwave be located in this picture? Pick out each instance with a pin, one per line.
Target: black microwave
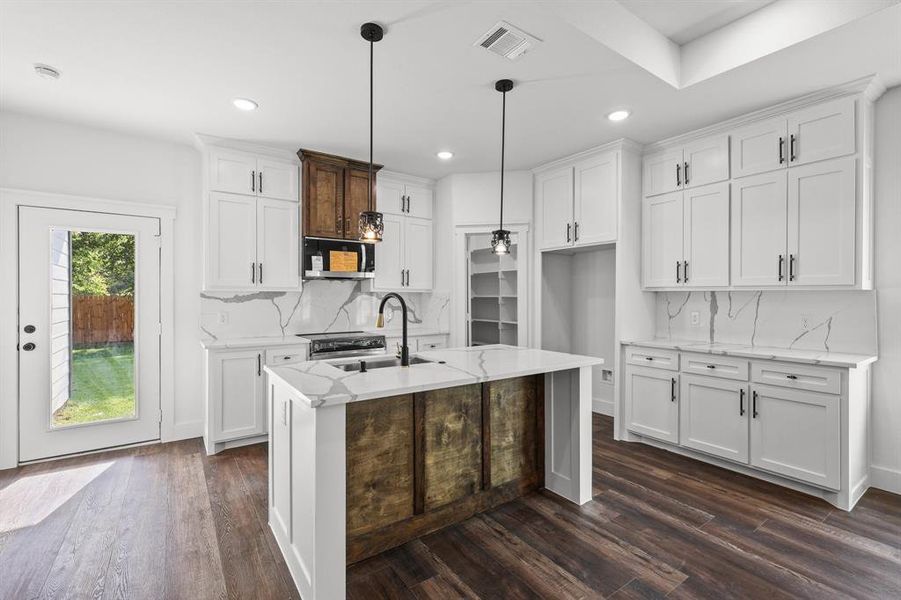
(325, 258)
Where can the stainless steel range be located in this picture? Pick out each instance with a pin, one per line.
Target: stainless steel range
(344, 344)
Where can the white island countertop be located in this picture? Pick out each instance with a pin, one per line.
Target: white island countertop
(807, 357)
(320, 383)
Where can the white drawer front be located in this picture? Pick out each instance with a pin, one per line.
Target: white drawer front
(715, 366)
(799, 377)
(659, 358)
(286, 355)
(432, 342)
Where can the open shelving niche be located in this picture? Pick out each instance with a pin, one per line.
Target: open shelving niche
(493, 294)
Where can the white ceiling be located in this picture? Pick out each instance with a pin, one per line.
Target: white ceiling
(685, 20)
(169, 69)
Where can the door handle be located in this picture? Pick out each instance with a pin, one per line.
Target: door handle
(791, 267)
(741, 402)
(673, 389)
(576, 232)
(253, 273)
(261, 182)
(28, 347)
(678, 180)
(408, 204)
(253, 181)
(685, 265)
(685, 172)
(568, 229)
(259, 364)
(678, 274)
(791, 148)
(261, 273)
(29, 329)
(781, 261)
(408, 277)
(754, 404)
(346, 225)
(338, 222)
(781, 150)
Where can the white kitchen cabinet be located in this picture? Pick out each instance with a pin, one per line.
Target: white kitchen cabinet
(277, 244)
(232, 242)
(821, 132)
(419, 201)
(705, 236)
(253, 243)
(759, 221)
(240, 172)
(663, 172)
(760, 147)
(390, 197)
(714, 416)
(404, 198)
(595, 200)
(389, 254)
(796, 434)
(236, 395)
(555, 207)
(418, 254)
(822, 223)
(662, 240)
(698, 163)
(652, 407)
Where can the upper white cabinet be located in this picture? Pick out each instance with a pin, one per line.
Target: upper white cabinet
(240, 172)
(796, 213)
(685, 238)
(404, 258)
(698, 163)
(811, 134)
(578, 205)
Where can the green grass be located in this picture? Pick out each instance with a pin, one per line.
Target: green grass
(102, 385)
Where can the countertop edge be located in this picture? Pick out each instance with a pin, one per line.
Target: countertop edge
(847, 360)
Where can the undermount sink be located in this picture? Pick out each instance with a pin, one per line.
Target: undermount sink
(381, 363)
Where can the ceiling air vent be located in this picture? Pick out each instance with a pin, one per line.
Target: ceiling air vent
(506, 40)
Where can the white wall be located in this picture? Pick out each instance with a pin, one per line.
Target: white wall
(594, 316)
(53, 156)
(886, 451)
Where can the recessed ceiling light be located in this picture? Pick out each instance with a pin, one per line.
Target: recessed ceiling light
(244, 104)
(619, 115)
(445, 155)
(46, 71)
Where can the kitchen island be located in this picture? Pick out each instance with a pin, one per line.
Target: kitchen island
(364, 460)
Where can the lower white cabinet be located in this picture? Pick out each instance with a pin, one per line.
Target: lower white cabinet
(652, 403)
(797, 434)
(235, 395)
(714, 416)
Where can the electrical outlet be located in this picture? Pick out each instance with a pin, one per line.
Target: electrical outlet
(695, 318)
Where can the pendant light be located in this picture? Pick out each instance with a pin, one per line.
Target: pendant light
(371, 221)
(500, 237)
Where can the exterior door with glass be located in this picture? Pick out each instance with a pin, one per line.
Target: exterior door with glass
(89, 331)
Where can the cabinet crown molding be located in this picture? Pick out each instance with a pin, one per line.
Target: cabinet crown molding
(384, 174)
(870, 87)
(207, 142)
(341, 161)
(624, 144)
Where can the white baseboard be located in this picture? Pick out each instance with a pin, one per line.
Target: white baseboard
(602, 406)
(885, 478)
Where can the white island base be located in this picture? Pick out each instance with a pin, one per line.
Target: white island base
(307, 467)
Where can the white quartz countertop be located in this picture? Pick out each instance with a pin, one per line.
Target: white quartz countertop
(294, 340)
(320, 383)
(808, 357)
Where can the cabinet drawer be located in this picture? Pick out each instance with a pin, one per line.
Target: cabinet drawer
(715, 366)
(659, 358)
(432, 342)
(286, 355)
(815, 379)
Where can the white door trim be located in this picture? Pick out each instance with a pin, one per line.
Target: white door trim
(10, 201)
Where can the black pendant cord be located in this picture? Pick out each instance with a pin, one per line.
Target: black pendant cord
(371, 102)
(503, 140)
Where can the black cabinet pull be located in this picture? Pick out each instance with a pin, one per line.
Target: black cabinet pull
(568, 229)
(791, 376)
(678, 180)
(791, 148)
(754, 404)
(576, 232)
(781, 150)
(673, 390)
(791, 267)
(781, 261)
(261, 273)
(711, 366)
(678, 273)
(741, 402)
(253, 273)
(259, 364)
(649, 358)
(685, 172)
(261, 182)
(685, 265)
(253, 181)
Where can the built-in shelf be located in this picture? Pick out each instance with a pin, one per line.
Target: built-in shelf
(493, 295)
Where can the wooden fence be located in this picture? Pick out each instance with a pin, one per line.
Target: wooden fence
(102, 319)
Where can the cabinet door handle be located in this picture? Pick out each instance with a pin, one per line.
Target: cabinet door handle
(685, 172)
(408, 277)
(338, 229)
(791, 267)
(259, 364)
(672, 389)
(678, 176)
(754, 404)
(678, 273)
(781, 150)
(711, 366)
(261, 273)
(741, 402)
(346, 225)
(568, 229)
(791, 148)
(781, 262)
(791, 377)
(401, 277)
(253, 181)
(253, 273)
(576, 232)
(408, 204)
(685, 268)
(261, 182)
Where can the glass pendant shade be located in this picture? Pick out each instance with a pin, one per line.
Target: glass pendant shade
(500, 241)
(372, 226)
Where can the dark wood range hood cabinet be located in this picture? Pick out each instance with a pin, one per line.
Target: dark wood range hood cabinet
(334, 194)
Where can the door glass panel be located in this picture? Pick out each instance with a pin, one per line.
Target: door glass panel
(92, 327)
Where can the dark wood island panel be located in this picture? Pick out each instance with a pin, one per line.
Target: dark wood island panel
(419, 462)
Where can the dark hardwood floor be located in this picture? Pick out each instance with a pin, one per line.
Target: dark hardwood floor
(169, 522)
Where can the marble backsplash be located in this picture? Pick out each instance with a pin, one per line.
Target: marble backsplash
(838, 321)
(322, 305)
